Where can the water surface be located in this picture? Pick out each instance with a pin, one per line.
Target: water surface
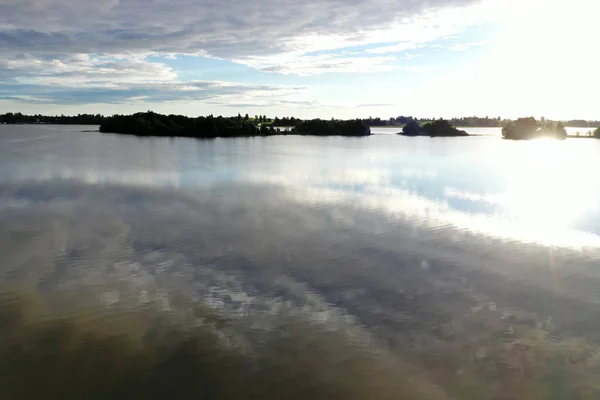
(482, 131)
(468, 267)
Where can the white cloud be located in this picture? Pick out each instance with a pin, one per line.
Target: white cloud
(412, 56)
(229, 29)
(466, 46)
(71, 47)
(396, 48)
(81, 78)
(311, 65)
(82, 70)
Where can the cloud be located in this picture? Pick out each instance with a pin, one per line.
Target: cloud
(82, 70)
(467, 46)
(268, 101)
(311, 65)
(81, 78)
(295, 104)
(396, 48)
(226, 93)
(374, 105)
(229, 29)
(94, 51)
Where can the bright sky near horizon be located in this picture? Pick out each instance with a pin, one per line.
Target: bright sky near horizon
(328, 58)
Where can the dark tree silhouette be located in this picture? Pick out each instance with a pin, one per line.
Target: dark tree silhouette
(437, 128)
(319, 127)
(412, 129)
(81, 119)
(522, 128)
(152, 124)
(441, 128)
(529, 128)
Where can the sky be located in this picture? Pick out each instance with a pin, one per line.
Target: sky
(310, 58)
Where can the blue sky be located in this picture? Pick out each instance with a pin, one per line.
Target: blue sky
(339, 58)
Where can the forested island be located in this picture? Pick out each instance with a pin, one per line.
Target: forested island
(437, 128)
(467, 122)
(399, 121)
(529, 128)
(152, 124)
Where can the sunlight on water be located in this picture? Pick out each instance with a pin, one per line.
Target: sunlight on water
(536, 191)
(548, 190)
(381, 268)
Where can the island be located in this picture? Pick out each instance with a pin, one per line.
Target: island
(153, 124)
(530, 128)
(436, 128)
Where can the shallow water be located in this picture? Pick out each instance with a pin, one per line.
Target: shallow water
(468, 266)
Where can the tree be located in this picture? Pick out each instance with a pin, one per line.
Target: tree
(441, 127)
(553, 129)
(529, 128)
(152, 124)
(597, 133)
(246, 117)
(522, 128)
(436, 128)
(412, 128)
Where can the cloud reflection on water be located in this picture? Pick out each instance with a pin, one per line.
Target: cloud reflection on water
(537, 191)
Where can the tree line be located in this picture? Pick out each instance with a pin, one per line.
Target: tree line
(530, 128)
(80, 119)
(153, 124)
(462, 122)
(437, 128)
(469, 122)
(98, 119)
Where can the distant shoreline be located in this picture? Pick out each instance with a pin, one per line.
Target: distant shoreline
(213, 127)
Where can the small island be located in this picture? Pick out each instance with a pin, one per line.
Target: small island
(530, 128)
(437, 128)
(152, 124)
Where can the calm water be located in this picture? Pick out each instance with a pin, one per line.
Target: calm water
(379, 267)
(483, 131)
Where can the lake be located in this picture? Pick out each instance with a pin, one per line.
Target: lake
(324, 267)
(480, 131)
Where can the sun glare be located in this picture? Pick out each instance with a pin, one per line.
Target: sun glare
(539, 62)
(548, 186)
